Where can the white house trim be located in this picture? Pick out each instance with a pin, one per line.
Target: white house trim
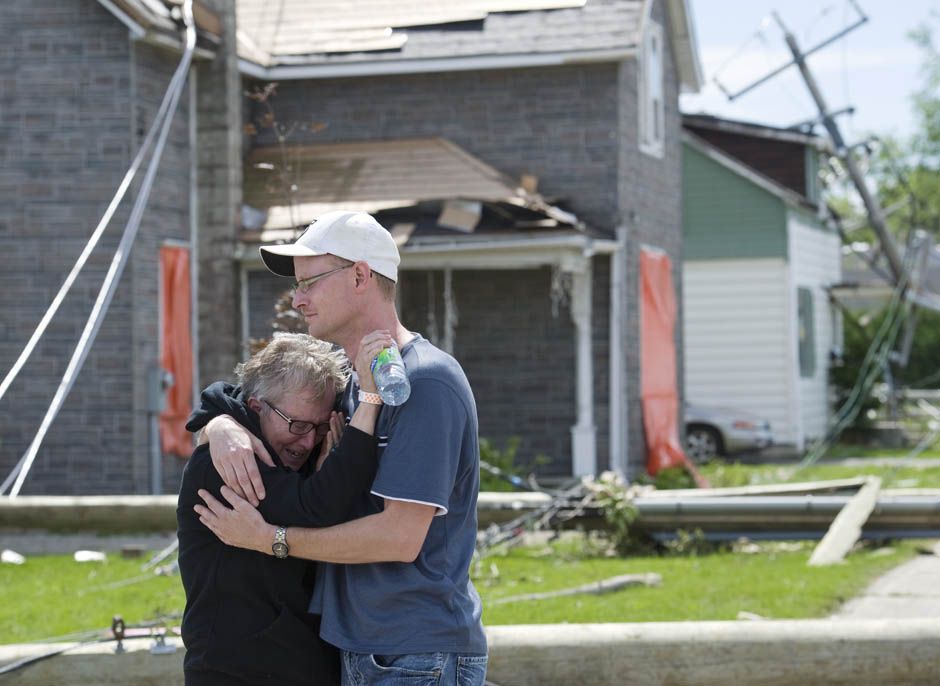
(684, 46)
(137, 31)
(618, 425)
(584, 432)
(288, 72)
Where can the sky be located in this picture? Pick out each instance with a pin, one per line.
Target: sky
(875, 68)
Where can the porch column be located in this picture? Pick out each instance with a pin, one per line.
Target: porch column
(583, 434)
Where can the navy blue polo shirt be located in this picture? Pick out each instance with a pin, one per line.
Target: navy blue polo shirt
(428, 453)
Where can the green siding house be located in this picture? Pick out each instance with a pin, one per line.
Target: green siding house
(758, 260)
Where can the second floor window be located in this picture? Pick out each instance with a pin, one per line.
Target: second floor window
(652, 107)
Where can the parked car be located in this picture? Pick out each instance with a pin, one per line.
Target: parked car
(711, 432)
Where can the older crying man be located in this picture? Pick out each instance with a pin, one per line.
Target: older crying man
(246, 619)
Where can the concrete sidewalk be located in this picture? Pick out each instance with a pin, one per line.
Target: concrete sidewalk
(909, 591)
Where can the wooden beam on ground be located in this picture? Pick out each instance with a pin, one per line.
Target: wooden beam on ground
(846, 528)
(805, 487)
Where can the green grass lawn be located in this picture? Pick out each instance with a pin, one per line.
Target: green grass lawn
(845, 450)
(776, 584)
(721, 474)
(52, 596)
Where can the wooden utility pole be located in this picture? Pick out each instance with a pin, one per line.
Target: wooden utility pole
(872, 206)
(876, 215)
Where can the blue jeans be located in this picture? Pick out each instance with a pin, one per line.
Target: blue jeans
(420, 669)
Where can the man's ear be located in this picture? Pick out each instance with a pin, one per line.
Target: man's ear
(254, 404)
(363, 273)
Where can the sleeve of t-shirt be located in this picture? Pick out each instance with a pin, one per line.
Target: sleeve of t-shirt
(425, 434)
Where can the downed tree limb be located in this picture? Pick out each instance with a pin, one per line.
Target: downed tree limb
(846, 528)
(614, 583)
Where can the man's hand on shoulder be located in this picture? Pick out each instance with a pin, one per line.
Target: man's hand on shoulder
(233, 449)
(240, 525)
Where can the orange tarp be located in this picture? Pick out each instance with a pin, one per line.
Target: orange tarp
(176, 354)
(658, 363)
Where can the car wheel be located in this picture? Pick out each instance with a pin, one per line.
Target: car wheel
(702, 444)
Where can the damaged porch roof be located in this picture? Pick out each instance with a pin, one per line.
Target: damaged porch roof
(425, 186)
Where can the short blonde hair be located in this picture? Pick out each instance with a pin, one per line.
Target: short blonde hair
(294, 363)
(386, 285)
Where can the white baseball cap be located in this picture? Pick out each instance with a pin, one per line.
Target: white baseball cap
(354, 236)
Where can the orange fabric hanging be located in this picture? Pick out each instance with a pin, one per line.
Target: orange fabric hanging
(658, 363)
(176, 354)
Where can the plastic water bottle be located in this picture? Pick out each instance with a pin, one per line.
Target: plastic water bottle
(391, 380)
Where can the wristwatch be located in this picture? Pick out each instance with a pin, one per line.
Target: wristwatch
(280, 547)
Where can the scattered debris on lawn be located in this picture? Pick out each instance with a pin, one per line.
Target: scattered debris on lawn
(11, 557)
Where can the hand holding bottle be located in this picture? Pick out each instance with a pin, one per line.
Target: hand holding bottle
(390, 376)
(371, 346)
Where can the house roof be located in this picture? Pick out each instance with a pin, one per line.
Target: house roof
(154, 20)
(354, 37)
(436, 179)
(754, 130)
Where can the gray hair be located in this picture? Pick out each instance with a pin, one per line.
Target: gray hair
(294, 363)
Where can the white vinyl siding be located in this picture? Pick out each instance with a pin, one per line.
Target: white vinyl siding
(737, 339)
(815, 263)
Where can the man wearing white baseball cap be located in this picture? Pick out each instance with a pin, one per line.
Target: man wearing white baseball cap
(397, 597)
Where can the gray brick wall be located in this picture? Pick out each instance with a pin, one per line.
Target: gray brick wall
(600, 341)
(558, 123)
(264, 289)
(75, 91)
(219, 117)
(65, 145)
(166, 218)
(517, 355)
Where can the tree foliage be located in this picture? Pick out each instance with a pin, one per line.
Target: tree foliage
(906, 173)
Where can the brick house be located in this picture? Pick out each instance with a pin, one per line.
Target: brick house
(82, 82)
(550, 136)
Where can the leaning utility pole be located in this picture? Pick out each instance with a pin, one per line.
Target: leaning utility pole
(875, 213)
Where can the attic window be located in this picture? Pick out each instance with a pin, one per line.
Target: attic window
(652, 108)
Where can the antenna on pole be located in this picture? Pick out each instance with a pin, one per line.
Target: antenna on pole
(827, 118)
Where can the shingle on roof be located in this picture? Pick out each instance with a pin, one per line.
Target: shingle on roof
(332, 32)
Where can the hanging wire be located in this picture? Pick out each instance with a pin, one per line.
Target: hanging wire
(846, 90)
(772, 63)
(757, 35)
(815, 21)
(870, 369)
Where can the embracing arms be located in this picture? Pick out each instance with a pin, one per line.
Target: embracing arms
(394, 535)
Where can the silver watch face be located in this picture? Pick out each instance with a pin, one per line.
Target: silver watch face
(280, 550)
